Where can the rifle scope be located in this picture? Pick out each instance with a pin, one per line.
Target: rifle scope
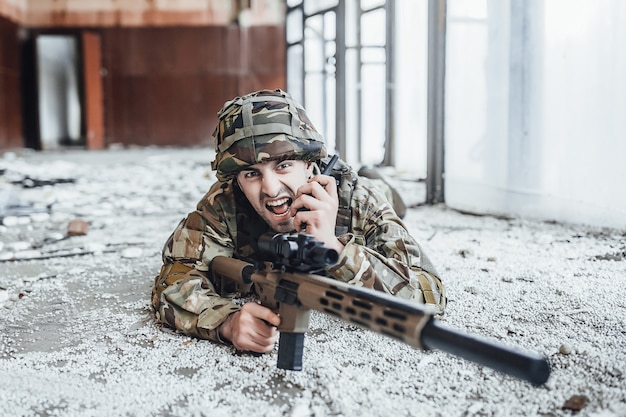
(297, 251)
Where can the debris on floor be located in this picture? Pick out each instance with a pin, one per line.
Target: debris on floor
(78, 338)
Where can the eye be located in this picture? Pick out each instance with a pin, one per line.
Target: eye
(284, 165)
(249, 174)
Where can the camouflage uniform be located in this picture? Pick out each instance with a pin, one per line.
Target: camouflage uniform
(379, 252)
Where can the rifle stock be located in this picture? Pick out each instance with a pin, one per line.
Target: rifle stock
(294, 295)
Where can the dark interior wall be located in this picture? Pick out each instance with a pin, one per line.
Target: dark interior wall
(164, 86)
(10, 102)
(161, 85)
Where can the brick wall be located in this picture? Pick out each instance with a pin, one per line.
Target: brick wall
(10, 103)
(164, 86)
(167, 66)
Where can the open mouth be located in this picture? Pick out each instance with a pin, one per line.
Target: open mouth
(279, 207)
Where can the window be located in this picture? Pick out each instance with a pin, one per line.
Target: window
(338, 66)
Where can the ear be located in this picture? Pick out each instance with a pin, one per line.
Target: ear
(309, 169)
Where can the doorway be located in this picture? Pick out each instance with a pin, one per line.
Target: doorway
(62, 91)
(59, 92)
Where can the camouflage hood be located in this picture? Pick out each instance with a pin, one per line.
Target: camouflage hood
(262, 126)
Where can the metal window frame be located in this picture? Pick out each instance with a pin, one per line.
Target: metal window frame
(437, 14)
(341, 75)
(435, 170)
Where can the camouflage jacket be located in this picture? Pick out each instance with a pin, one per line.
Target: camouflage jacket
(379, 253)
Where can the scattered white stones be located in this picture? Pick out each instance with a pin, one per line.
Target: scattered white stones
(54, 236)
(20, 246)
(4, 297)
(132, 252)
(10, 221)
(40, 217)
(98, 306)
(95, 247)
(565, 349)
(27, 254)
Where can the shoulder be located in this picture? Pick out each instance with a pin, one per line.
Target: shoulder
(370, 192)
(358, 192)
(357, 188)
(218, 208)
(219, 196)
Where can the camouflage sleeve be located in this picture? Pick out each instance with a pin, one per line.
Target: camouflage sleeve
(380, 253)
(183, 295)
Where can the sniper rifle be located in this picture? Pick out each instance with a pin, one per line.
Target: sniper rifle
(286, 283)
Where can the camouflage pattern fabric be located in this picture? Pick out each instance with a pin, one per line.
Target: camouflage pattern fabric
(261, 126)
(379, 253)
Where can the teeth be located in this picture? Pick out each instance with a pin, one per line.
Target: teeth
(278, 202)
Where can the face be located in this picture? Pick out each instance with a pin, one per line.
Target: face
(271, 188)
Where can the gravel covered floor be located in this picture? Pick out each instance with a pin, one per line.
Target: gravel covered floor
(77, 336)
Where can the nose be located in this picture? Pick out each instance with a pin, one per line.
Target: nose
(271, 185)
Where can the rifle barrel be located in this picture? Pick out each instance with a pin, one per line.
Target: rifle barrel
(530, 367)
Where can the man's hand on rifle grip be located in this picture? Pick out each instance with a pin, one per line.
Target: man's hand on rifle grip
(253, 328)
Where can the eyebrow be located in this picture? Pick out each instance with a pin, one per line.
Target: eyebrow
(248, 170)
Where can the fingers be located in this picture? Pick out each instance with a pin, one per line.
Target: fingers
(320, 186)
(326, 181)
(263, 313)
(319, 200)
(320, 193)
(250, 331)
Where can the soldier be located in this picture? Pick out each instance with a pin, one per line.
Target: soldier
(268, 161)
